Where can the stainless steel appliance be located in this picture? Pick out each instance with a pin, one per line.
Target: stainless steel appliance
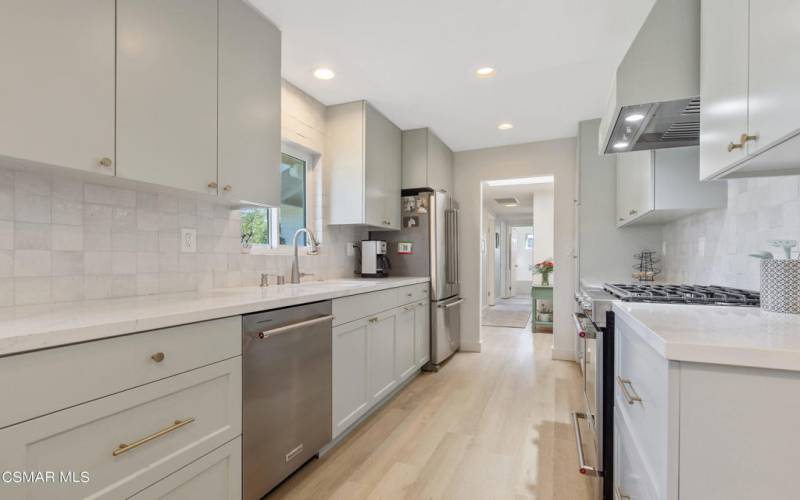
(286, 392)
(374, 259)
(594, 325)
(427, 245)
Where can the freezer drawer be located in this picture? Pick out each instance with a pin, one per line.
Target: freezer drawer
(445, 328)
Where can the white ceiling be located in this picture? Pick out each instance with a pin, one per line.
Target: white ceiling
(523, 193)
(414, 60)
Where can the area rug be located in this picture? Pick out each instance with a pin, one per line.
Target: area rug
(513, 312)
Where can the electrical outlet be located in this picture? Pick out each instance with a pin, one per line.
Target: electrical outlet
(350, 249)
(188, 240)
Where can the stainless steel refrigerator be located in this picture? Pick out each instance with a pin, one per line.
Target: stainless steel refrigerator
(427, 245)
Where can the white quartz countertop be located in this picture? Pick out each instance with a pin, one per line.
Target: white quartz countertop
(28, 328)
(727, 335)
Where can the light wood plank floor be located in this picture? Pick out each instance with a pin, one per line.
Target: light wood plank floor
(494, 425)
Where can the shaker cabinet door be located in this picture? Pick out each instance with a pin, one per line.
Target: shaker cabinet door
(249, 105)
(381, 359)
(57, 84)
(774, 100)
(723, 83)
(351, 397)
(167, 93)
(405, 365)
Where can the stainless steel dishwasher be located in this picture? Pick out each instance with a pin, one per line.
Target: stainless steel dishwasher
(287, 392)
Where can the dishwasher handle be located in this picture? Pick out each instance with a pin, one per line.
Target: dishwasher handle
(293, 326)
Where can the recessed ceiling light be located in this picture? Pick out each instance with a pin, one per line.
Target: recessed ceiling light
(485, 72)
(636, 117)
(620, 145)
(505, 126)
(522, 181)
(324, 73)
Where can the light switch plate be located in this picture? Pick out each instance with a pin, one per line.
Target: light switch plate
(188, 240)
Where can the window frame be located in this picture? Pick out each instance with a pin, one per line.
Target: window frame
(274, 247)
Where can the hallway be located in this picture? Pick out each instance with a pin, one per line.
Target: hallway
(511, 312)
(494, 425)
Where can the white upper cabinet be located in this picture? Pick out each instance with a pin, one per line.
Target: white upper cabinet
(723, 83)
(249, 105)
(427, 161)
(363, 171)
(654, 187)
(57, 84)
(750, 76)
(167, 93)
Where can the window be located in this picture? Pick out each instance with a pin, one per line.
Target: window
(528, 242)
(272, 227)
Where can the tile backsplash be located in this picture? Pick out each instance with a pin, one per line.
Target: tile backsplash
(63, 239)
(712, 247)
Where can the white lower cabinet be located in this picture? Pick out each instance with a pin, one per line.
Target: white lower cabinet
(381, 333)
(350, 394)
(375, 354)
(129, 440)
(217, 475)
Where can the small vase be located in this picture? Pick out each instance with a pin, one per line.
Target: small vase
(545, 279)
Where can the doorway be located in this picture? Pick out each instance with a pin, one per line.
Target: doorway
(516, 230)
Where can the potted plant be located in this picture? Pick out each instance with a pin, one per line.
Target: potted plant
(544, 268)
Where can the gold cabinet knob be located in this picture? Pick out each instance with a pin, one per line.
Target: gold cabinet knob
(227, 188)
(158, 357)
(212, 185)
(105, 161)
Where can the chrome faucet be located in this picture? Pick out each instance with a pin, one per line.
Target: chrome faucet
(314, 248)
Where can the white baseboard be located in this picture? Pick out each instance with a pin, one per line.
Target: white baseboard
(470, 346)
(563, 354)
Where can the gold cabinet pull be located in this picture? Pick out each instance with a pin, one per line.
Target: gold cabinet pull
(105, 162)
(158, 357)
(122, 448)
(743, 139)
(227, 188)
(373, 320)
(212, 185)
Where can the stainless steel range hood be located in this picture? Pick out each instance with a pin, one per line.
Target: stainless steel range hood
(655, 97)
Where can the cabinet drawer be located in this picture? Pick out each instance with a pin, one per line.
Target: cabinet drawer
(641, 394)
(355, 307)
(45, 381)
(412, 293)
(217, 475)
(630, 479)
(165, 424)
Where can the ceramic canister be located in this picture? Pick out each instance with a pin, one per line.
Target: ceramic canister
(780, 286)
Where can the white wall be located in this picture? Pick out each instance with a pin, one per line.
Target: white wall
(758, 210)
(556, 157)
(606, 251)
(543, 229)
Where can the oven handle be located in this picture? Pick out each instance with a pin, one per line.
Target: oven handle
(585, 333)
(584, 468)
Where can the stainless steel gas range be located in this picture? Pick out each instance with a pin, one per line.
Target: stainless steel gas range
(594, 326)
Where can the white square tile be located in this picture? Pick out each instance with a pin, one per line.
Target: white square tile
(147, 219)
(6, 264)
(31, 208)
(167, 203)
(146, 284)
(123, 219)
(67, 189)
(123, 263)
(234, 279)
(6, 235)
(31, 183)
(98, 194)
(168, 241)
(147, 241)
(67, 212)
(29, 236)
(97, 286)
(32, 290)
(123, 286)
(6, 293)
(67, 237)
(168, 262)
(167, 221)
(127, 241)
(32, 263)
(6, 204)
(187, 262)
(96, 218)
(97, 242)
(68, 264)
(67, 288)
(124, 197)
(205, 209)
(187, 207)
(97, 263)
(147, 262)
(146, 200)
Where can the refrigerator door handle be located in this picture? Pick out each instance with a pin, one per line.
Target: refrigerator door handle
(456, 248)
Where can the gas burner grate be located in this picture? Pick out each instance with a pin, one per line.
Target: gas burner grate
(684, 294)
